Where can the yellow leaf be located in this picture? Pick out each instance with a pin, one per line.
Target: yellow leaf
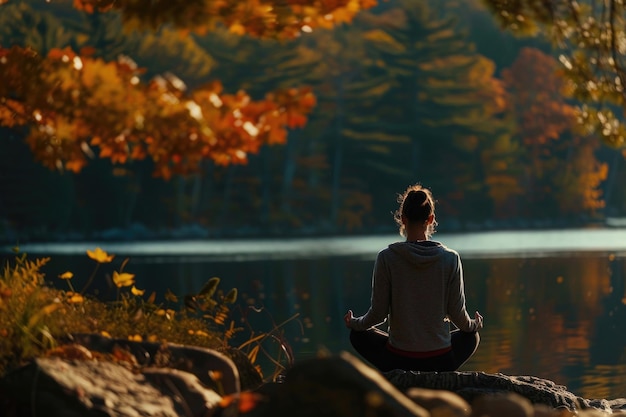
(123, 279)
(37, 317)
(231, 297)
(135, 338)
(253, 354)
(105, 334)
(66, 275)
(100, 256)
(136, 291)
(209, 288)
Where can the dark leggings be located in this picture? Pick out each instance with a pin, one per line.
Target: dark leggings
(372, 345)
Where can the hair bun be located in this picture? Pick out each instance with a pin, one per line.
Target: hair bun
(418, 196)
(416, 206)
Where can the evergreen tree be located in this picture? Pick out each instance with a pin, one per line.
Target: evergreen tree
(444, 100)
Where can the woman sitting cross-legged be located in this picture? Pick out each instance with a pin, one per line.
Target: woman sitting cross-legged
(417, 287)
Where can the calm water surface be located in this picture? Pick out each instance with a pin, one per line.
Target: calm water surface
(554, 302)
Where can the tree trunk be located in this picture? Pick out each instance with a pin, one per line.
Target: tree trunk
(335, 204)
(266, 185)
(289, 171)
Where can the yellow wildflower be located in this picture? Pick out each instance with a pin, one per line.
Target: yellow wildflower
(123, 279)
(137, 291)
(100, 256)
(76, 299)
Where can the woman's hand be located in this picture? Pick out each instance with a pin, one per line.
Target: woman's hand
(479, 321)
(348, 318)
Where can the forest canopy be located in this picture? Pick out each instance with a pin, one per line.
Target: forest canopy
(177, 126)
(46, 90)
(259, 18)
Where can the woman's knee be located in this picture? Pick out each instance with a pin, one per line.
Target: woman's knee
(466, 338)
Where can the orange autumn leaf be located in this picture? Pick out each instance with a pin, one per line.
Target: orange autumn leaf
(75, 165)
(244, 402)
(176, 129)
(267, 19)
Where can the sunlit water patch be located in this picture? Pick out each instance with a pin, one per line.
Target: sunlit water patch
(489, 244)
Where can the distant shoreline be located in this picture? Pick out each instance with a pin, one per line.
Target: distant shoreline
(470, 244)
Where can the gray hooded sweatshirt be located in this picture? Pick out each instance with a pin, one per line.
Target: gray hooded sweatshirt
(417, 287)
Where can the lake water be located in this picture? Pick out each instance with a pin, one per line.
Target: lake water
(554, 302)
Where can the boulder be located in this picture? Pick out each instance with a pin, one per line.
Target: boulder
(440, 403)
(55, 387)
(502, 404)
(98, 376)
(212, 368)
(333, 386)
(471, 385)
(79, 383)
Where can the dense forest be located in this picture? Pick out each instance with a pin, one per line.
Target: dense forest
(408, 91)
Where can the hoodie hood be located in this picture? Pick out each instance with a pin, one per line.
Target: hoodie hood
(420, 253)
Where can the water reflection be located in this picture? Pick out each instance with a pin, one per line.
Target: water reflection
(559, 318)
(609, 325)
(553, 318)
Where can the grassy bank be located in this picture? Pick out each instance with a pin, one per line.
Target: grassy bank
(38, 313)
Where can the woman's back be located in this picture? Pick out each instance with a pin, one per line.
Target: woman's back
(425, 281)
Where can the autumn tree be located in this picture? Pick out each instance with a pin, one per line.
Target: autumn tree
(270, 181)
(562, 174)
(78, 105)
(168, 70)
(309, 172)
(293, 181)
(444, 107)
(590, 36)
